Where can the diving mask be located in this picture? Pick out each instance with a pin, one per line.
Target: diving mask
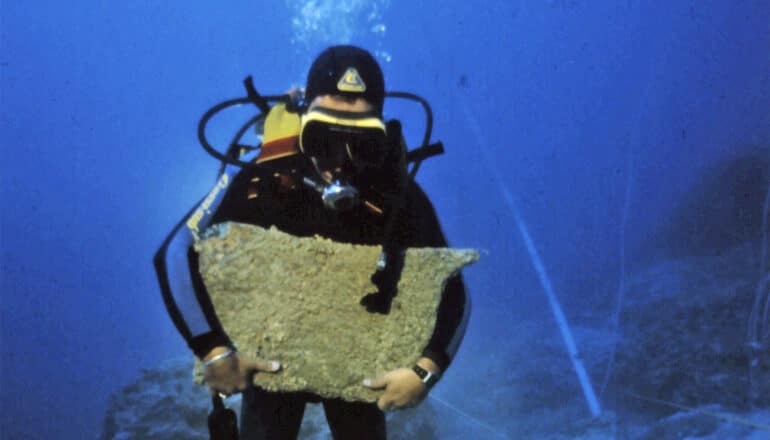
(334, 137)
(341, 145)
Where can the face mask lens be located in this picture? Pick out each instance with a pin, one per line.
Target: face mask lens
(332, 144)
(315, 141)
(325, 146)
(368, 149)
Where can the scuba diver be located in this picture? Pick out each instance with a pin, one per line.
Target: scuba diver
(328, 165)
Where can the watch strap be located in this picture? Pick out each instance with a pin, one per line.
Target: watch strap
(427, 377)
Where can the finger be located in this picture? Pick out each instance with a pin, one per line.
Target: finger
(382, 404)
(375, 384)
(260, 365)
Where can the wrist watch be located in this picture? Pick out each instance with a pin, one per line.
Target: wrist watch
(428, 378)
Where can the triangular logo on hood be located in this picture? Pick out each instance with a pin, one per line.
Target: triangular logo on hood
(351, 81)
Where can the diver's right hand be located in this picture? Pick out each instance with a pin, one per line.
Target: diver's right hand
(232, 374)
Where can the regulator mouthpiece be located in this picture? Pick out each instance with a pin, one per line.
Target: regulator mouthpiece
(336, 195)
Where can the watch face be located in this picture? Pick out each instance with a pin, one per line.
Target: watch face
(427, 377)
(420, 372)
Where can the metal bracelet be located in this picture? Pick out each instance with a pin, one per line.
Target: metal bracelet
(218, 358)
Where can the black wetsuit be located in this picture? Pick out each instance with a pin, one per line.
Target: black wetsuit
(300, 212)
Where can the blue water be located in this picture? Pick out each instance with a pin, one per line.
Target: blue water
(100, 102)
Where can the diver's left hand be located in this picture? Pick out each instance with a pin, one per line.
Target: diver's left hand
(403, 389)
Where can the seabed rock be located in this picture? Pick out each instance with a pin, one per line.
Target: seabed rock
(297, 300)
(164, 404)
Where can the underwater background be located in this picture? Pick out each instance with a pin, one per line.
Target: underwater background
(615, 154)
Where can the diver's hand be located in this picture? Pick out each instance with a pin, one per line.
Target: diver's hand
(233, 373)
(403, 388)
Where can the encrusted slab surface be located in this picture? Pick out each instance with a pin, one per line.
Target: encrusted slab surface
(296, 300)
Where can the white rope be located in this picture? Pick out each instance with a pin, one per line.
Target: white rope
(537, 262)
(764, 270)
(468, 416)
(622, 281)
